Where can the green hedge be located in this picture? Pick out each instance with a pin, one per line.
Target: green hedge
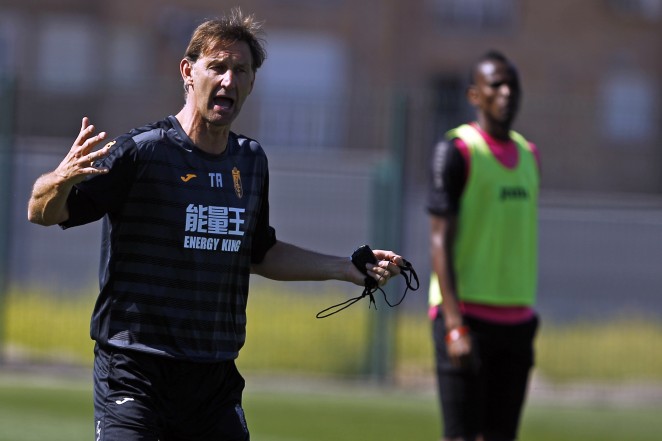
(285, 336)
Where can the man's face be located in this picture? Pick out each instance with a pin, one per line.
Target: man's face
(496, 93)
(222, 80)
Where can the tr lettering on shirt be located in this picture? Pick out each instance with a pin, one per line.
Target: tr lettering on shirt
(216, 180)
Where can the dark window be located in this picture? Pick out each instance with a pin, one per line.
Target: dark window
(487, 15)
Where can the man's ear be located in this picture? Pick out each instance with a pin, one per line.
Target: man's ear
(252, 83)
(472, 95)
(186, 70)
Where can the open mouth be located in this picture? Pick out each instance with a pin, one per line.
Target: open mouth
(222, 103)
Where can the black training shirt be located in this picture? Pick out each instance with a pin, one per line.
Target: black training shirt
(448, 175)
(180, 230)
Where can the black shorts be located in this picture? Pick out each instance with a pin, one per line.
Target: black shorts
(486, 397)
(144, 397)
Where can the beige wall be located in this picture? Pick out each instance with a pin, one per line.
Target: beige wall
(564, 49)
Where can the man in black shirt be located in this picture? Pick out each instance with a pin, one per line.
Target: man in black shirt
(185, 211)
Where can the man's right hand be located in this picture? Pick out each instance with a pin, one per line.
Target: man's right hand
(458, 345)
(79, 162)
(48, 202)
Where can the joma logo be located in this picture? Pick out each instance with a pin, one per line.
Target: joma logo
(513, 193)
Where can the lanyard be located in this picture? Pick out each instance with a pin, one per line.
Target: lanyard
(370, 287)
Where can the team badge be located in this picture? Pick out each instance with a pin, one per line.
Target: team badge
(236, 178)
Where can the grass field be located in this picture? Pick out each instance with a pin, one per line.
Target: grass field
(37, 408)
(44, 328)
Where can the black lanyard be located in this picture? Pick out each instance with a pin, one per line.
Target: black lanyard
(370, 287)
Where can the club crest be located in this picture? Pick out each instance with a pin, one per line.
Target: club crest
(236, 178)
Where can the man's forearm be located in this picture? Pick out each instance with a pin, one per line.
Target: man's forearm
(443, 232)
(289, 262)
(48, 202)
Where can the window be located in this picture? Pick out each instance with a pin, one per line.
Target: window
(67, 54)
(301, 90)
(309, 3)
(629, 106)
(128, 55)
(450, 103)
(474, 14)
(646, 9)
(8, 44)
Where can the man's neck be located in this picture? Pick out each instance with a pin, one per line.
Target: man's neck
(494, 129)
(208, 138)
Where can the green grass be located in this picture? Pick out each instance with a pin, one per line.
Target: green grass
(51, 328)
(34, 410)
(39, 408)
(552, 423)
(331, 417)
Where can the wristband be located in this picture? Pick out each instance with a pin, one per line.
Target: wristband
(456, 333)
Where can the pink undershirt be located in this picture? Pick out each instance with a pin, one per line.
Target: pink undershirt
(506, 154)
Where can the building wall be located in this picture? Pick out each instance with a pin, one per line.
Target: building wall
(591, 74)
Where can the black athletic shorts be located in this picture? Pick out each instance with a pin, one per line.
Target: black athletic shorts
(487, 396)
(139, 396)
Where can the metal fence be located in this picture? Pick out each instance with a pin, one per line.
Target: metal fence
(600, 255)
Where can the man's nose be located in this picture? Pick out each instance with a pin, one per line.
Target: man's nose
(228, 78)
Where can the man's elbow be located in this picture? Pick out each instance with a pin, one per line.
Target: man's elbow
(37, 217)
(34, 216)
